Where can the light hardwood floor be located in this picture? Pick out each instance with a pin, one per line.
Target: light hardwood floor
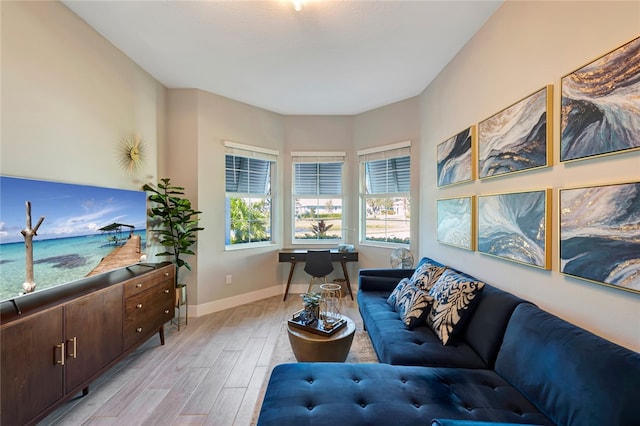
(211, 372)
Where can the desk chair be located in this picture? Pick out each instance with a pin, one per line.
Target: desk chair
(318, 265)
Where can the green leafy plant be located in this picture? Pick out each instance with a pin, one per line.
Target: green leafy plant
(320, 230)
(179, 222)
(310, 299)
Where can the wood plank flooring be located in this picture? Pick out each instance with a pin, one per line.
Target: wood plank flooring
(211, 372)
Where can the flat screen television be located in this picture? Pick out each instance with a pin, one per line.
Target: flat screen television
(86, 230)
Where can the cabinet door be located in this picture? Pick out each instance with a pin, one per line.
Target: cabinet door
(93, 333)
(30, 369)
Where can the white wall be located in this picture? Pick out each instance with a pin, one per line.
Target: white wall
(397, 122)
(523, 47)
(68, 97)
(198, 123)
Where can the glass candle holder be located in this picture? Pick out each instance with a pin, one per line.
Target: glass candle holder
(330, 304)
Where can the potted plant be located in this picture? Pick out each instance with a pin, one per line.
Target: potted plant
(177, 219)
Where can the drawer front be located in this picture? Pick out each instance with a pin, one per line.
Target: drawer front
(146, 312)
(346, 257)
(145, 282)
(291, 257)
(302, 256)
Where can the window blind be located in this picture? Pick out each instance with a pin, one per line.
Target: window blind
(387, 169)
(317, 173)
(248, 169)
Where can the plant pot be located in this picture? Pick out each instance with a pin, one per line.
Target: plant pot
(181, 294)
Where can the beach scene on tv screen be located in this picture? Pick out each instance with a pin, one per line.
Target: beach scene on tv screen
(86, 230)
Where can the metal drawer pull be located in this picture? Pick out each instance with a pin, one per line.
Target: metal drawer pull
(61, 347)
(138, 285)
(139, 305)
(74, 346)
(139, 330)
(166, 290)
(166, 274)
(166, 311)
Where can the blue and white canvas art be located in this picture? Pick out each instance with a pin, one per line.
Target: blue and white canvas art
(600, 234)
(71, 241)
(455, 222)
(518, 138)
(515, 226)
(600, 106)
(455, 158)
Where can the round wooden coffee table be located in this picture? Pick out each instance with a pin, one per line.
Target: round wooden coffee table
(310, 347)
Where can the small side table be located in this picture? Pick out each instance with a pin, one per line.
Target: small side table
(310, 347)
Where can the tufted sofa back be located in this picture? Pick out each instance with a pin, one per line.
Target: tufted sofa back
(571, 375)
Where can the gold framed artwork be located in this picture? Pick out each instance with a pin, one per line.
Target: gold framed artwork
(518, 138)
(456, 158)
(600, 234)
(600, 105)
(455, 222)
(515, 226)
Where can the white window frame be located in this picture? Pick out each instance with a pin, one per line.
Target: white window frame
(386, 152)
(298, 157)
(257, 153)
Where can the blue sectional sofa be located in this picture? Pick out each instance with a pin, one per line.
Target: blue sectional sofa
(512, 363)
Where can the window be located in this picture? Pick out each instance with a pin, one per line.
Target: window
(385, 188)
(317, 197)
(248, 195)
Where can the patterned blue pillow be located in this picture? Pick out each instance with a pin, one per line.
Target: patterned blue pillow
(454, 295)
(427, 273)
(414, 304)
(395, 294)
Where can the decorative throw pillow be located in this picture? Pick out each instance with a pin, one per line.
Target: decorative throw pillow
(395, 294)
(413, 306)
(454, 295)
(427, 273)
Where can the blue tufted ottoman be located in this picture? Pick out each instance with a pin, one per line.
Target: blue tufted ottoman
(381, 394)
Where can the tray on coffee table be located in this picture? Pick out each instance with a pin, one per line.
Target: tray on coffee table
(317, 326)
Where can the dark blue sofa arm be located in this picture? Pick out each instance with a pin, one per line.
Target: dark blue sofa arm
(381, 279)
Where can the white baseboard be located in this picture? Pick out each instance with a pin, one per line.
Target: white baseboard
(242, 299)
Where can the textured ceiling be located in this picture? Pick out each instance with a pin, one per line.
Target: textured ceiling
(331, 58)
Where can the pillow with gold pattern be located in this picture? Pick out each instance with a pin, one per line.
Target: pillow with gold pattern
(395, 294)
(427, 273)
(414, 304)
(454, 295)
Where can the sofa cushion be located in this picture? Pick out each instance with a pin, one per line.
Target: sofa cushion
(455, 295)
(427, 273)
(413, 305)
(381, 394)
(573, 376)
(485, 328)
(395, 344)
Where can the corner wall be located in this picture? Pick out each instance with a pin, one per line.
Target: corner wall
(68, 97)
(523, 47)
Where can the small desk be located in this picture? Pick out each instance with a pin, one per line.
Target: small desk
(295, 256)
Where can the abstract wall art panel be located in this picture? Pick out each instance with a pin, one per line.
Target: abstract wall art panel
(517, 138)
(515, 226)
(86, 230)
(600, 105)
(456, 163)
(600, 234)
(455, 222)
